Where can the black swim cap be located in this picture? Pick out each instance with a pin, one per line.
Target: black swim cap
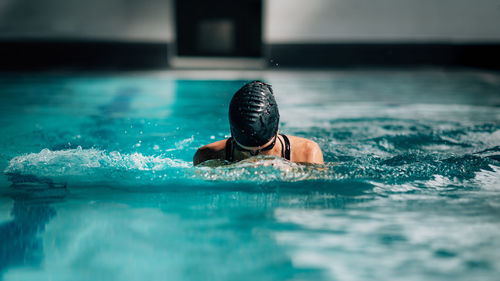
(253, 114)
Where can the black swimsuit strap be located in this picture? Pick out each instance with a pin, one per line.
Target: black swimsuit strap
(287, 147)
(229, 149)
(282, 148)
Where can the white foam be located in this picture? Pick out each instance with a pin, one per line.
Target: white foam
(73, 162)
(263, 169)
(489, 180)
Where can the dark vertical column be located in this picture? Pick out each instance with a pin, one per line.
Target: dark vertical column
(219, 28)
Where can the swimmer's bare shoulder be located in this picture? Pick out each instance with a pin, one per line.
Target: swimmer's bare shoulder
(305, 150)
(210, 151)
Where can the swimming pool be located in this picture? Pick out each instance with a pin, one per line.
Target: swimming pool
(98, 184)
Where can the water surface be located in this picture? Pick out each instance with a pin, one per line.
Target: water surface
(98, 183)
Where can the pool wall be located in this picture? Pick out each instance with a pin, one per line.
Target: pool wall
(321, 33)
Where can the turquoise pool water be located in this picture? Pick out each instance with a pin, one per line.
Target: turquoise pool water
(98, 184)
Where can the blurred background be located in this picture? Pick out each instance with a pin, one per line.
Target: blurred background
(256, 34)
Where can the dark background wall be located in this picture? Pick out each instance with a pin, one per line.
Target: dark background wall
(219, 28)
(345, 33)
(331, 33)
(330, 21)
(110, 20)
(91, 34)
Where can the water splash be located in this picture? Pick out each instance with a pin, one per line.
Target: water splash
(91, 165)
(94, 166)
(263, 169)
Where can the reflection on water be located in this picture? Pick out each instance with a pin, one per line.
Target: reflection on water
(21, 237)
(384, 238)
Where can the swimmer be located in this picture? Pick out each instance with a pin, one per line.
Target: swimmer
(254, 119)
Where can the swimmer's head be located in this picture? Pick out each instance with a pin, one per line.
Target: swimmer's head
(253, 114)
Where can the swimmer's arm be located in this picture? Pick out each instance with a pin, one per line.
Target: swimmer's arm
(208, 152)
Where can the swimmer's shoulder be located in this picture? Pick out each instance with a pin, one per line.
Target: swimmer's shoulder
(305, 150)
(210, 151)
